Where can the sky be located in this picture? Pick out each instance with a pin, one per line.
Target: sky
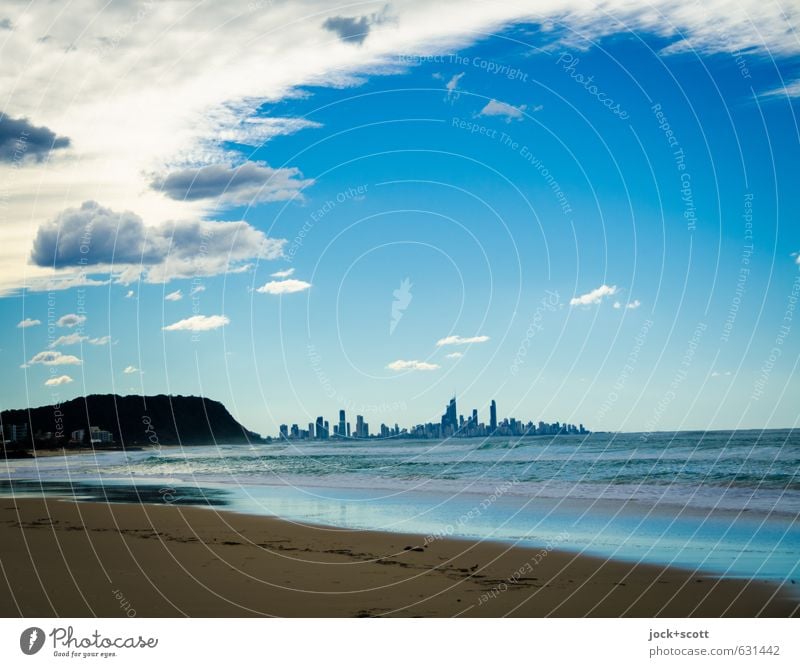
(588, 213)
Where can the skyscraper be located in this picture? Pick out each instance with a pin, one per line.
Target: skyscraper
(359, 426)
(320, 428)
(450, 418)
(493, 416)
(342, 427)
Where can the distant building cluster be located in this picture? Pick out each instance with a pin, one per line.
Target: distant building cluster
(451, 425)
(95, 434)
(14, 432)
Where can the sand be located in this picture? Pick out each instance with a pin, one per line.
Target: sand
(61, 558)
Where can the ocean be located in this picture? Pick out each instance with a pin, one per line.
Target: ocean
(721, 503)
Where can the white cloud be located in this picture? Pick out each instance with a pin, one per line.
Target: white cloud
(54, 358)
(177, 295)
(28, 322)
(71, 320)
(414, 365)
(593, 297)
(461, 340)
(196, 290)
(282, 274)
(796, 256)
(129, 370)
(284, 286)
(507, 111)
(791, 89)
(199, 323)
(130, 294)
(69, 339)
(454, 355)
(101, 340)
(631, 305)
(56, 381)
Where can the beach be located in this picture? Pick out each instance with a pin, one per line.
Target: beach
(79, 559)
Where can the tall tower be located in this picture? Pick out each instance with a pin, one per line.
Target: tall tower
(342, 421)
(493, 416)
(320, 428)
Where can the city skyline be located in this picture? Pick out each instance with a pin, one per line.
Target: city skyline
(451, 425)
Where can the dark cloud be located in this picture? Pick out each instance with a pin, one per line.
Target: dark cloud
(94, 235)
(20, 140)
(5, 24)
(354, 29)
(91, 235)
(248, 183)
(348, 28)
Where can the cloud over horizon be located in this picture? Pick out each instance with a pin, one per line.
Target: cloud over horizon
(290, 286)
(59, 380)
(594, 296)
(461, 340)
(412, 365)
(54, 358)
(199, 323)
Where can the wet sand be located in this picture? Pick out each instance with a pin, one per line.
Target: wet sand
(60, 558)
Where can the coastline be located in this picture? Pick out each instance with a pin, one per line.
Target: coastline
(66, 558)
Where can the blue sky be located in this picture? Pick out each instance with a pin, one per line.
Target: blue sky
(603, 280)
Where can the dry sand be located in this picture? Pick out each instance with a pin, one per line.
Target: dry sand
(61, 558)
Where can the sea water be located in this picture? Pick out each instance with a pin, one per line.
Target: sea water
(723, 502)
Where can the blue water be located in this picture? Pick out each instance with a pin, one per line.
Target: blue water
(720, 502)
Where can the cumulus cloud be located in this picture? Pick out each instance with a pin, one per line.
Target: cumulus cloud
(248, 183)
(199, 323)
(413, 365)
(461, 340)
(69, 339)
(507, 111)
(101, 340)
(130, 294)
(28, 322)
(177, 295)
(54, 358)
(593, 297)
(283, 286)
(130, 370)
(282, 274)
(96, 236)
(70, 320)
(22, 141)
(59, 380)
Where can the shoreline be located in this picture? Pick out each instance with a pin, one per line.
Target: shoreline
(67, 558)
